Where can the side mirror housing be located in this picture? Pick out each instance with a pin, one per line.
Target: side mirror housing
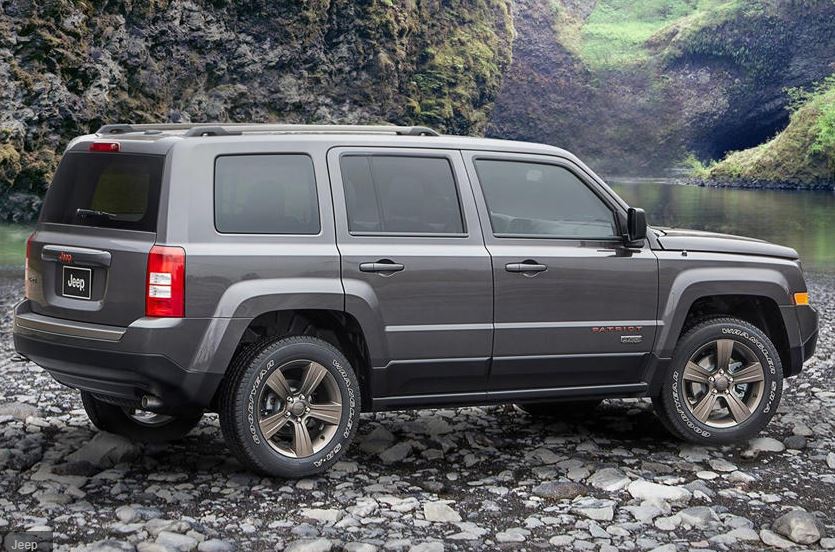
(636, 224)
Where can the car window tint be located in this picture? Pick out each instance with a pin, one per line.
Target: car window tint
(537, 199)
(401, 194)
(110, 190)
(266, 194)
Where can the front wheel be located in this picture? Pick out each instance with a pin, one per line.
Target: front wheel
(724, 384)
(135, 424)
(290, 407)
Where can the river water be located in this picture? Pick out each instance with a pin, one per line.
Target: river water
(802, 220)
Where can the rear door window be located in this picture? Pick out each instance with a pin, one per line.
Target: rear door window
(266, 194)
(109, 190)
(395, 194)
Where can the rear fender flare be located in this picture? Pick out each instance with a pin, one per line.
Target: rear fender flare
(243, 301)
(362, 303)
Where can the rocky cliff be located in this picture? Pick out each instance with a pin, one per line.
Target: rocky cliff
(630, 86)
(730, 68)
(66, 66)
(634, 86)
(802, 155)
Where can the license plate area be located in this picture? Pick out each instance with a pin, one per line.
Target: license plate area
(76, 282)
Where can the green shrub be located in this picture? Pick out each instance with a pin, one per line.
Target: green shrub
(824, 101)
(696, 167)
(803, 153)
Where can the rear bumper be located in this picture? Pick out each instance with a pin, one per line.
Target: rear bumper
(179, 361)
(124, 377)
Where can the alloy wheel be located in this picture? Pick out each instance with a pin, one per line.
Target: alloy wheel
(299, 408)
(723, 383)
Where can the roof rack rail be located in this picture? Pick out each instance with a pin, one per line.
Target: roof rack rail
(230, 129)
(237, 128)
(122, 128)
(213, 130)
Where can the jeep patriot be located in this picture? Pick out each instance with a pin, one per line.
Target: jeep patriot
(290, 277)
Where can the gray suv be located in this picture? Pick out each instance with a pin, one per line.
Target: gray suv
(290, 277)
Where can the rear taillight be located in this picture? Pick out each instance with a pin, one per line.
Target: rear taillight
(165, 282)
(27, 284)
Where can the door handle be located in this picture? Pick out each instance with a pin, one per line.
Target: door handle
(525, 266)
(382, 266)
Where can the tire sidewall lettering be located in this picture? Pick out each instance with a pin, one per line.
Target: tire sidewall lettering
(682, 412)
(322, 457)
(768, 404)
(675, 388)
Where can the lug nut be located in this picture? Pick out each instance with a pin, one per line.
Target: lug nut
(288, 414)
(289, 399)
(307, 409)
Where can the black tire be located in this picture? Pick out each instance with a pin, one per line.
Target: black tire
(564, 409)
(155, 429)
(241, 406)
(677, 412)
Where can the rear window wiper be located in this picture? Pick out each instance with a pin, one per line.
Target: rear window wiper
(87, 213)
(116, 217)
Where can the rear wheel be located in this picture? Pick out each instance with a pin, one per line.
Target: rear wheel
(724, 384)
(290, 407)
(565, 409)
(136, 424)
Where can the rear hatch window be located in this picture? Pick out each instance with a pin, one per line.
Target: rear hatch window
(87, 259)
(106, 190)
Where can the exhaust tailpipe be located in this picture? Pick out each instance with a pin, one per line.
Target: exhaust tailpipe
(151, 403)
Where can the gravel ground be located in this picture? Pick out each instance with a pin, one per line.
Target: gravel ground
(455, 479)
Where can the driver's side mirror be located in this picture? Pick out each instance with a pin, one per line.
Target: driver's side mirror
(636, 224)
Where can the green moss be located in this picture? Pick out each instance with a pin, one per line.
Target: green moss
(567, 27)
(407, 62)
(749, 33)
(36, 170)
(621, 34)
(616, 33)
(459, 75)
(803, 153)
(9, 162)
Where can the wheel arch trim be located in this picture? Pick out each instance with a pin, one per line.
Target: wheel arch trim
(692, 285)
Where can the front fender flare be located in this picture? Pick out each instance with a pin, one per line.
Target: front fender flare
(696, 283)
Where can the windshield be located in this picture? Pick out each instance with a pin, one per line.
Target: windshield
(110, 190)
